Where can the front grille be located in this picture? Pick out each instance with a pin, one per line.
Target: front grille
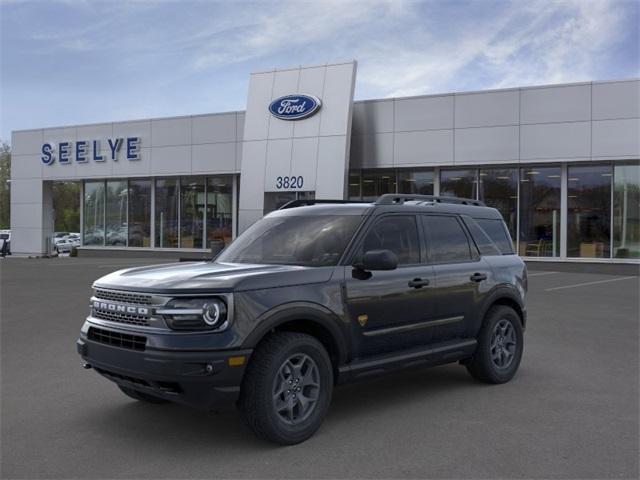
(125, 297)
(116, 339)
(127, 318)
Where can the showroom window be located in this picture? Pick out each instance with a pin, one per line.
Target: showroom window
(458, 183)
(192, 207)
(539, 212)
(116, 213)
(626, 211)
(139, 213)
(418, 182)
(93, 213)
(167, 196)
(589, 211)
(354, 186)
(275, 200)
(376, 183)
(498, 188)
(219, 211)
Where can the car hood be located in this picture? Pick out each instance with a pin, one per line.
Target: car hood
(201, 277)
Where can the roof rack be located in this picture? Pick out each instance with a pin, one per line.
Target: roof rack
(307, 202)
(399, 199)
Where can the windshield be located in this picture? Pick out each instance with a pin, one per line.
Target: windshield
(312, 241)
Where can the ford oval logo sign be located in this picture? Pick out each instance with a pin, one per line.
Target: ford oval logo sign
(294, 107)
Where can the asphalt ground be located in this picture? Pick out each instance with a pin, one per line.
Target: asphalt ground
(571, 411)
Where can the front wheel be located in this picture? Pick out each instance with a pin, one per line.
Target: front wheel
(500, 346)
(287, 388)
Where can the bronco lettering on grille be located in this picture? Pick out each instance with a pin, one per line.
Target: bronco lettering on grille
(115, 307)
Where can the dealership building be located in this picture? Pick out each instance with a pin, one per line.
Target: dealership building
(560, 162)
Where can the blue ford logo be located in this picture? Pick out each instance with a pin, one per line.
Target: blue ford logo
(294, 107)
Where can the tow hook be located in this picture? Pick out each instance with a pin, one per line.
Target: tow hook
(86, 366)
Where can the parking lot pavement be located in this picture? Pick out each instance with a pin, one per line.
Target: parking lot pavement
(571, 412)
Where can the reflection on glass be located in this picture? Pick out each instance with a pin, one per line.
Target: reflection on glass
(93, 227)
(589, 211)
(139, 213)
(116, 213)
(626, 211)
(192, 207)
(167, 190)
(354, 186)
(219, 215)
(458, 183)
(419, 182)
(376, 183)
(499, 189)
(540, 212)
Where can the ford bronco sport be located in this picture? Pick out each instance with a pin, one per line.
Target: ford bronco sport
(315, 294)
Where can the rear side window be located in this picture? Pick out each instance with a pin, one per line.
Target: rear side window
(446, 239)
(497, 232)
(480, 237)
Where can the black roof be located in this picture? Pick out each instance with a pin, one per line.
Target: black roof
(391, 203)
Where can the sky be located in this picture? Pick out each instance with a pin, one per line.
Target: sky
(79, 61)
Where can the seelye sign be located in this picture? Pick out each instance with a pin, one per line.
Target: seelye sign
(84, 150)
(294, 107)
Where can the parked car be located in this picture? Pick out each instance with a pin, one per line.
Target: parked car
(315, 294)
(64, 245)
(5, 242)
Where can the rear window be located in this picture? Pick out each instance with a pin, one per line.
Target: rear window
(497, 231)
(481, 238)
(446, 239)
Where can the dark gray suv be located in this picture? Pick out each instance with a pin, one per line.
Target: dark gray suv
(315, 294)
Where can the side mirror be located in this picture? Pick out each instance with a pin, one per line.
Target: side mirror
(379, 260)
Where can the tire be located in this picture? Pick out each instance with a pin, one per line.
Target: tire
(141, 396)
(285, 368)
(498, 364)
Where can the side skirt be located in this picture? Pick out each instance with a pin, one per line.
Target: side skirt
(435, 354)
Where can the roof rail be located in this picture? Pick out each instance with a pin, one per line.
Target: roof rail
(399, 199)
(307, 202)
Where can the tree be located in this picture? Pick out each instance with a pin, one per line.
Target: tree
(5, 186)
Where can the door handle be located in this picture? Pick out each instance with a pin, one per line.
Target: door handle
(478, 277)
(418, 283)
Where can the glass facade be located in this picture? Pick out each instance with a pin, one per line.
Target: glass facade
(166, 209)
(377, 182)
(116, 213)
(186, 211)
(540, 212)
(419, 182)
(626, 211)
(601, 203)
(192, 209)
(219, 211)
(139, 213)
(459, 183)
(498, 187)
(93, 208)
(589, 211)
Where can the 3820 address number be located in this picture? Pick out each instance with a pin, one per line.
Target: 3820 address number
(289, 182)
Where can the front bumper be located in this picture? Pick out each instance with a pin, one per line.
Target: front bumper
(202, 379)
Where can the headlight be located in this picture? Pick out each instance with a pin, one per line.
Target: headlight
(195, 314)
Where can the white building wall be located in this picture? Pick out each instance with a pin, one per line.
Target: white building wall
(557, 123)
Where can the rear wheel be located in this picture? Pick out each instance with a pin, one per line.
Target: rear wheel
(500, 346)
(287, 388)
(141, 396)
